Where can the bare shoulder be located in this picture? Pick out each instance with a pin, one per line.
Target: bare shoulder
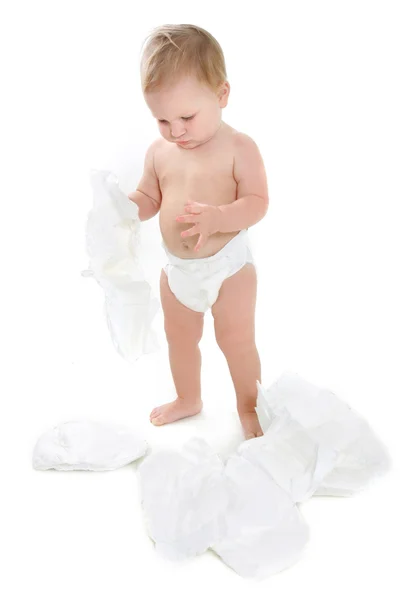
(156, 146)
(244, 143)
(245, 150)
(248, 166)
(156, 151)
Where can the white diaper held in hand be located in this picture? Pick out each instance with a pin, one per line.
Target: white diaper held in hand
(113, 244)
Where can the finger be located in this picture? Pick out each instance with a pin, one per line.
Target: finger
(196, 210)
(201, 242)
(191, 231)
(187, 219)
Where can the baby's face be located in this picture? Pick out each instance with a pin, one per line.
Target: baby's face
(187, 111)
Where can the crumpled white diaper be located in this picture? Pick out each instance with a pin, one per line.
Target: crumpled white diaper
(192, 501)
(319, 435)
(113, 244)
(184, 496)
(263, 530)
(245, 510)
(87, 445)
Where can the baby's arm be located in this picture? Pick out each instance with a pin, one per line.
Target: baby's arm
(252, 190)
(148, 194)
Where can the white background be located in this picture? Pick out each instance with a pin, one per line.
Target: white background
(316, 86)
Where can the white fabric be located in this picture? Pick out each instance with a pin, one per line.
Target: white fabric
(245, 510)
(87, 445)
(113, 245)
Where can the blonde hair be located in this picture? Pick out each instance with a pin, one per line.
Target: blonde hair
(176, 50)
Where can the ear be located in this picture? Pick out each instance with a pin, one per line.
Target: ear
(223, 94)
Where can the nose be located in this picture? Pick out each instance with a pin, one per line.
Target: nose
(177, 131)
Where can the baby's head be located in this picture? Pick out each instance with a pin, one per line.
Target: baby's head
(184, 83)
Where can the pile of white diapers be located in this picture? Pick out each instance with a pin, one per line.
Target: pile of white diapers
(244, 508)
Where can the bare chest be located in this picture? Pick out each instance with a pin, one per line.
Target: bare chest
(205, 176)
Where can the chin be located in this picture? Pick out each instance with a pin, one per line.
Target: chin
(190, 144)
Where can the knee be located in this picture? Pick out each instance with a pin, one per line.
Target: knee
(178, 335)
(234, 341)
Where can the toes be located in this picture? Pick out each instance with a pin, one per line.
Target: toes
(155, 412)
(250, 435)
(157, 421)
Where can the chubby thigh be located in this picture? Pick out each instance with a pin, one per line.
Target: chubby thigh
(180, 322)
(234, 309)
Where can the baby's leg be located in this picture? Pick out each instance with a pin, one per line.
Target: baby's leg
(234, 316)
(183, 329)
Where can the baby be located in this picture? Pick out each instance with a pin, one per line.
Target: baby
(208, 182)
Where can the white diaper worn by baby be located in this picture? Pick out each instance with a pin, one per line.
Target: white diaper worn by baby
(113, 245)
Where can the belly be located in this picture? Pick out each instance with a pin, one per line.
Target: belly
(171, 231)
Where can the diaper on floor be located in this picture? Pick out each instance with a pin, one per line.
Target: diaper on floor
(196, 282)
(87, 446)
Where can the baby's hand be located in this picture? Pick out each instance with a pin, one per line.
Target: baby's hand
(207, 220)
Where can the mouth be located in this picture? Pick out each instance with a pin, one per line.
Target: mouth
(183, 143)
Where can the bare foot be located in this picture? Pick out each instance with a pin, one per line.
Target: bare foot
(173, 411)
(251, 425)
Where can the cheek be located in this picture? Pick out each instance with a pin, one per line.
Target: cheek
(199, 125)
(163, 130)
(207, 123)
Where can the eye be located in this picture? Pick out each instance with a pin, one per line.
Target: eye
(162, 121)
(188, 118)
